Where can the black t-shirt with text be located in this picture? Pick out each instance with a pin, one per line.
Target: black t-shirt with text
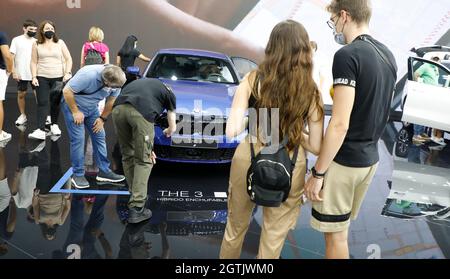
(3, 41)
(150, 97)
(127, 60)
(359, 65)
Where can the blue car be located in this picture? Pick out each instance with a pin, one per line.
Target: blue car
(204, 83)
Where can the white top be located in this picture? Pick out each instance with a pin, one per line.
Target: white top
(21, 46)
(26, 184)
(5, 195)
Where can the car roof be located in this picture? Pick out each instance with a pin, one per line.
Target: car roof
(194, 52)
(422, 51)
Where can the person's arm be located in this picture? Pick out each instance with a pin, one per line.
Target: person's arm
(223, 39)
(345, 72)
(171, 117)
(344, 97)
(312, 141)
(7, 57)
(68, 62)
(164, 241)
(69, 97)
(107, 57)
(35, 204)
(33, 65)
(12, 218)
(144, 58)
(170, 105)
(420, 72)
(82, 57)
(66, 209)
(236, 121)
(15, 75)
(118, 61)
(13, 50)
(99, 122)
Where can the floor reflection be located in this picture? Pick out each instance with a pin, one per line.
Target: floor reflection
(405, 215)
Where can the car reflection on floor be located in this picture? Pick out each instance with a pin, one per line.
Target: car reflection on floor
(400, 218)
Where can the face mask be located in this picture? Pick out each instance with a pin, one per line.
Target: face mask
(339, 36)
(49, 34)
(31, 34)
(109, 90)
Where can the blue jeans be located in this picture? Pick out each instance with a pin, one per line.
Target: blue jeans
(77, 140)
(81, 233)
(418, 129)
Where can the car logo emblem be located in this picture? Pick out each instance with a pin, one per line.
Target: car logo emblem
(196, 110)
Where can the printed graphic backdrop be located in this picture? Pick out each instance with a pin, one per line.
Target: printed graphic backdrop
(235, 27)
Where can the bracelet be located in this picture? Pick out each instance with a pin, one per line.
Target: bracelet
(316, 174)
(103, 119)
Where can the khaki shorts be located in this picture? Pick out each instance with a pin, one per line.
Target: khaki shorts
(343, 193)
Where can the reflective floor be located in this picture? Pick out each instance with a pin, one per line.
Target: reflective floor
(406, 212)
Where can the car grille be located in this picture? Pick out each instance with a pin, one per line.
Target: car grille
(195, 154)
(206, 228)
(206, 125)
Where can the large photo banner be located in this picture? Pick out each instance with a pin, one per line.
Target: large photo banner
(234, 27)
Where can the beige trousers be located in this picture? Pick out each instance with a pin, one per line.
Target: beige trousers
(276, 221)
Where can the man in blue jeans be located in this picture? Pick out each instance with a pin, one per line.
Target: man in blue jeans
(80, 107)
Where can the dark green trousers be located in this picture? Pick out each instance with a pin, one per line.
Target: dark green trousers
(135, 136)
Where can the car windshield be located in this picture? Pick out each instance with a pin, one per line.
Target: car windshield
(193, 68)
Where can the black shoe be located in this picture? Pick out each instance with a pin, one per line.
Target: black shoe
(109, 177)
(80, 182)
(137, 215)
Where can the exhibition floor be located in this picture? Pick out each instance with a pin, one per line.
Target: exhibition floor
(405, 214)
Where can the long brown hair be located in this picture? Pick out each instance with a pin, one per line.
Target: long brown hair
(284, 80)
(40, 36)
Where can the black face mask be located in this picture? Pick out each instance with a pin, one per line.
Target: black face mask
(49, 34)
(31, 34)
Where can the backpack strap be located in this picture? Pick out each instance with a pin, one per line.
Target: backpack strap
(252, 151)
(294, 158)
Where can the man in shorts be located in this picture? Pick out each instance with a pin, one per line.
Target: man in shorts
(364, 73)
(21, 47)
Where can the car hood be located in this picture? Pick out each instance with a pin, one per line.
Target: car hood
(206, 97)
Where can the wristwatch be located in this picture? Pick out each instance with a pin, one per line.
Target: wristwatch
(103, 118)
(316, 174)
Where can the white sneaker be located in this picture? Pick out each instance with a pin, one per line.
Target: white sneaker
(54, 130)
(48, 121)
(439, 141)
(5, 137)
(38, 134)
(22, 128)
(21, 120)
(38, 148)
(55, 138)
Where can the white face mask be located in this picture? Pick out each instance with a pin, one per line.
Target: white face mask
(339, 36)
(108, 89)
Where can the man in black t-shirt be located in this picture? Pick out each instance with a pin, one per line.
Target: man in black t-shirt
(134, 114)
(364, 73)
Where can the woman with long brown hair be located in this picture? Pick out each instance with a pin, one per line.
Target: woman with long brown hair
(283, 81)
(51, 64)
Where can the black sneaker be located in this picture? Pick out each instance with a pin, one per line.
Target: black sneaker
(110, 177)
(80, 182)
(137, 215)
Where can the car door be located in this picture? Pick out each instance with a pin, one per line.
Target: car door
(243, 66)
(427, 94)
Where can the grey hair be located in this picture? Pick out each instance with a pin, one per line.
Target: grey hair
(113, 76)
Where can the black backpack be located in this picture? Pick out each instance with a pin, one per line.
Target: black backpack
(93, 57)
(269, 177)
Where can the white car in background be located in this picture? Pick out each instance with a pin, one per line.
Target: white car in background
(425, 104)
